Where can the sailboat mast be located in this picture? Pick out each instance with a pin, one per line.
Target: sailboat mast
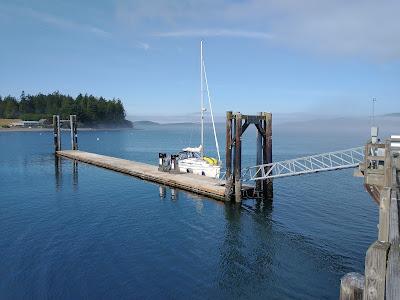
(201, 99)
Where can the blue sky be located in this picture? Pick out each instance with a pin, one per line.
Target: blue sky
(284, 56)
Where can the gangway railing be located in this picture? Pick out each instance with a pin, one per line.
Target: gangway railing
(343, 159)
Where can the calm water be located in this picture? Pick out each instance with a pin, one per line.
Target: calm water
(89, 233)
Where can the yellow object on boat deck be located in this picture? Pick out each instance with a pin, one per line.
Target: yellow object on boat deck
(211, 160)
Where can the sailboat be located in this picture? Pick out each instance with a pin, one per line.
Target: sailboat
(192, 159)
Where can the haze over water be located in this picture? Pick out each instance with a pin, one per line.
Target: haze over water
(86, 232)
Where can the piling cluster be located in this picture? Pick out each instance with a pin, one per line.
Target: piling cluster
(57, 122)
(236, 125)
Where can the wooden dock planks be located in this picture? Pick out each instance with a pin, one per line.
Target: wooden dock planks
(201, 185)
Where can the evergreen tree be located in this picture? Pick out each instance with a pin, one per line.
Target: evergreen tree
(89, 109)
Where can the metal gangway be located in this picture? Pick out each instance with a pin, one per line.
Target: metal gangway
(343, 159)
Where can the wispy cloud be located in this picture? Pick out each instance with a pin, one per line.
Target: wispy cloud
(358, 28)
(64, 23)
(216, 33)
(142, 45)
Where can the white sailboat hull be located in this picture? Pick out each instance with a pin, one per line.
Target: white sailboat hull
(199, 166)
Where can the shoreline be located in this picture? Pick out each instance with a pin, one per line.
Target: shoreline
(62, 129)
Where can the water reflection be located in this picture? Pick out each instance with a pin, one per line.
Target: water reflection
(174, 194)
(162, 191)
(58, 173)
(74, 175)
(241, 260)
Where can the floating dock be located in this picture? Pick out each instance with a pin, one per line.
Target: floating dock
(224, 190)
(202, 185)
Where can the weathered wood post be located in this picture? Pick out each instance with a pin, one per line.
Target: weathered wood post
(161, 161)
(74, 132)
(388, 165)
(375, 271)
(267, 152)
(393, 263)
(259, 145)
(382, 261)
(57, 133)
(228, 158)
(352, 287)
(238, 158)
(174, 164)
(384, 207)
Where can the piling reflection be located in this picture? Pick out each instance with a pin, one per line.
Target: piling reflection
(58, 173)
(162, 191)
(264, 207)
(74, 175)
(239, 259)
(174, 194)
(198, 200)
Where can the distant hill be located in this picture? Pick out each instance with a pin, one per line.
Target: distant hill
(181, 123)
(392, 115)
(145, 123)
(151, 123)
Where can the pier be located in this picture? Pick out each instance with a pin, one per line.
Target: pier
(202, 185)
(381, 279)
(167, 172)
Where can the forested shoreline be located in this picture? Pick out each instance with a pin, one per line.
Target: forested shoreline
(90, 110)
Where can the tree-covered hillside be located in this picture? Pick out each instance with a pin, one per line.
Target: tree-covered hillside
(90, 110)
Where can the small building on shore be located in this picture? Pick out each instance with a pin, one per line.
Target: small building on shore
(26, 124)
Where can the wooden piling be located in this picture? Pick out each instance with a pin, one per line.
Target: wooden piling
(57, 133)
(238, 158)
(384, 207)
(259, 145)
(268, 133)
(388, 165)
(375, 271)
(352, 287)
(74, 132)
(393, 262)
(233, 178)
(267, 152)
(228, 157)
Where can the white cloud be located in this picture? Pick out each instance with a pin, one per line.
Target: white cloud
(216, 33)
(360, 28)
